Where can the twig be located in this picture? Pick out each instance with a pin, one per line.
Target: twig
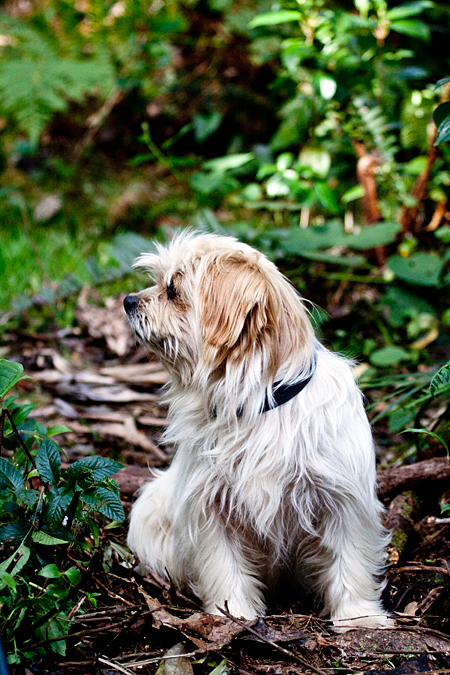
(21, 443)
(421, 568)
(100, 615)
(144, 662)
(96, 120)
(284, 651)
(116, 666)
(80, 633)
(111, 593)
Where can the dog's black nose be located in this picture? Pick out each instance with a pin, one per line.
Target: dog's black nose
(130, 303)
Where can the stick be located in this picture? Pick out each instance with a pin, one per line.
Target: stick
(284, 651)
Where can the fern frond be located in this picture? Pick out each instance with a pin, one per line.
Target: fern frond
(35, 82)
(374, 126)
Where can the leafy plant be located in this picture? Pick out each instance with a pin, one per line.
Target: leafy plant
(410, 398)
(50, 526)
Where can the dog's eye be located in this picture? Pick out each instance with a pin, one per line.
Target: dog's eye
(172, 292)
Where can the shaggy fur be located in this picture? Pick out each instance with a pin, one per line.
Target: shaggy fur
(252, 494)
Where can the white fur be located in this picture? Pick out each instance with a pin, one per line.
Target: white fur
(251, 495)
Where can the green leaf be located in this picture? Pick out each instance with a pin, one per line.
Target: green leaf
(21, 412)
(50, 572)
(7, 580)
(429, 433)
(104, 501)
(48, 462)
(274, 18)
(417, 29)
(326, 197)
(56, 506)
(21, 556)
(206, 125)
(101, 467)
(45, 539)
(27, 497)
(9, 475)
(370, 236)
(345, 261)
(58, 429)
(355, 192)
(222, 164)
(409, 9)
(389, 356)
(443, 133)
(440, 380)
(10, 374)
(441, 113)
(17, 531)
(314, 237)
(74, 575)
(423, 269)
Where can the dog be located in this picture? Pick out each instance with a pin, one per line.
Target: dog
(274, 469)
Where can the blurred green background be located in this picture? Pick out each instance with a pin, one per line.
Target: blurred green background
(303, 127)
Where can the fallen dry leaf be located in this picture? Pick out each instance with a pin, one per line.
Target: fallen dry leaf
(208, 632)
(129, 432)
(108, 322)
(139, 373)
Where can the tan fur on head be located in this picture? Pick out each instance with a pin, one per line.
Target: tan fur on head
(237, 307)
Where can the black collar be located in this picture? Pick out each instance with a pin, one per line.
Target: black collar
(282, 393)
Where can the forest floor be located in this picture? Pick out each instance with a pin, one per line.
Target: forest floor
(92, 378)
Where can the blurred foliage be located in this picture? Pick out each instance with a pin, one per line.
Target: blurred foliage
(315, 130)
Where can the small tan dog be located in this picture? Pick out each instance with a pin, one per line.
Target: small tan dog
(274, 468)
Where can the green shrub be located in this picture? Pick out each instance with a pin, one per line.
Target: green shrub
(50, 526)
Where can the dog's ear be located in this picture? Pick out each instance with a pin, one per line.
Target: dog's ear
(238, 306)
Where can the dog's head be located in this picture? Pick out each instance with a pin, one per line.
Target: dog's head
(218, 303)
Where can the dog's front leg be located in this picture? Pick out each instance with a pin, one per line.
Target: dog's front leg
(151, 533)
(223, 575)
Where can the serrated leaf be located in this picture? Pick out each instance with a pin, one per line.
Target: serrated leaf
(440, 380)
(9, 475)
(274, 18)
(20, 556)
(10, 374)
(56, 506)
(27, 497)
(105, 502)
(16, 531)
(101, 467)
(45, 539)
(48, 461)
